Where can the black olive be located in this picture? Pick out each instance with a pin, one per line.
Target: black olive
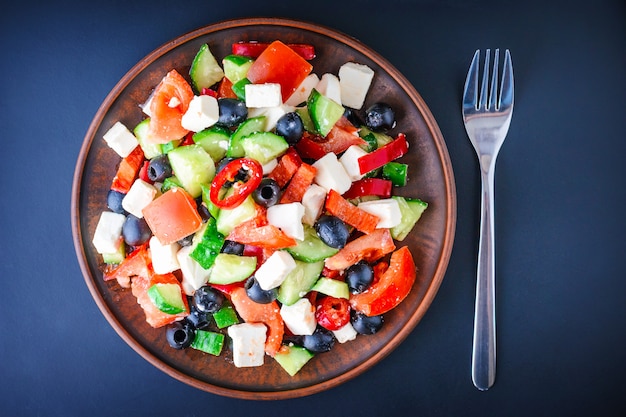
(231, 112)
(135, 231)
(380, 117)
(207, 299)
(198, 319)
(180, 334)
(258, 294)
(114, 201)
(159, 168)
(353, 117)
(321, 340)
(267, 193)
(290, 127)
(203, 210)
(365, 324)
(359, 277)
(332, 231)
(233, 248)
(186, 241)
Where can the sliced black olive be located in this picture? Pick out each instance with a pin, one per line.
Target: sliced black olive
(135, 231)
(332, 231)
(258, 294)
(359, 277)
(380, 117)
(267, 193)
(290, 127)
(180, 334)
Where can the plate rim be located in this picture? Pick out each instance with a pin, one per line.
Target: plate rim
(450, 212)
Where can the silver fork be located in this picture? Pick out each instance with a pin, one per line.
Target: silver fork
(487, 119)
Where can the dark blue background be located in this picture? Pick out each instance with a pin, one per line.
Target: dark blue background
(560, 199)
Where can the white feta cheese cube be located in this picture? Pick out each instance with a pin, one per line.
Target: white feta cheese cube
(313, 202)
(345, 333)
(386, 209)
(350, 161)
(269, 167)
(304, 89)
(272, 114)
(202, 112)
(248, 344)
(355, 80)
(274, 270)
(120, 139)
(263, 95)
(163, 257)
(288, 218)
(108, 235)
(329, 86)
(194, 275)
(299, 317)
(139, 196)
(331, 174)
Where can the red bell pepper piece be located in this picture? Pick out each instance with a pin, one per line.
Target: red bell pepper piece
(143, 172)
(254, 49)
(286, 168)
(127, 171)
(298, 185)
(387, 153)
(369, 186)
(349, 213)
(241, 190)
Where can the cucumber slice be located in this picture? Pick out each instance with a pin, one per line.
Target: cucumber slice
(114, 258)
(228, 268)
(169, 183)
(225, 316)
(206, 245)
(227, 219)
(205, 70)
(167, 297)
(214, 140)
(208, 342)
(264, 146)
(248, 127)
(324, 112)
(292, 358)
(193, 166)
(299, 281)
(236, 67)
(332, 287)
(311, 249)
(381, 138)
(303, 112)
(150, 150)
(411, 211)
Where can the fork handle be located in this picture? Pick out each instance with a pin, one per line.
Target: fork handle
(484, 343)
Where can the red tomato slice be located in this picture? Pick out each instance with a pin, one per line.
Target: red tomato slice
(127, 171)
(170, 101)
(369, 248)
(392, 287)
(280, 64)
(172, 216)
(341, 137)
(265, 237)
(268, 314)
(154, 316)
(349, 213)
(137, 263)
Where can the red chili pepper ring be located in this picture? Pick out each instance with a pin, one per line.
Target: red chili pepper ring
(241, 190)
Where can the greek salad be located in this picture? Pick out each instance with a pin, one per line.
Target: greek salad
(254, 206)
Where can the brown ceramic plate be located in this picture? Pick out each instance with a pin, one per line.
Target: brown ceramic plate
(431, 179)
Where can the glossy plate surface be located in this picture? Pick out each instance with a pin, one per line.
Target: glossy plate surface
(431, 179)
